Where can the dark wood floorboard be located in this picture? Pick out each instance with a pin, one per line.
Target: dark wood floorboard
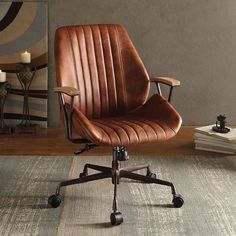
(52, 142)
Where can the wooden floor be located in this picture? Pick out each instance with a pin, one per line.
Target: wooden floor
(52, 142)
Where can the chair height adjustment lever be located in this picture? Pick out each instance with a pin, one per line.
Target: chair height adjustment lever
(87, 147)
(122, 154)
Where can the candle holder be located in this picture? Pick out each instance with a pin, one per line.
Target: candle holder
(4, 88)
(25, 76)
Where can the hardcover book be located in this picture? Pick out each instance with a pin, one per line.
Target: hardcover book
(209, 140)
(208, 130)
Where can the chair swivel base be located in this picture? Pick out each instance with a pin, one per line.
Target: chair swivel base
(115, 173)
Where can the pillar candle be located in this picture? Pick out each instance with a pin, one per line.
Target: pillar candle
(25, 57)
(2, 76)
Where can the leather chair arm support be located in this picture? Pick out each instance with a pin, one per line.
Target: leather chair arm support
(68, 110)
(67, 90)
(167, 81)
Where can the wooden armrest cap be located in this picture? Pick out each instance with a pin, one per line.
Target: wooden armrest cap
(67, 90)
(166, 80)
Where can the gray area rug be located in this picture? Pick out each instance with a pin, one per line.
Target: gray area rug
(208, 185)
(25, 184)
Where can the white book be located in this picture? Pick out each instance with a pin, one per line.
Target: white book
(208, 130)
(215, 145)
(214, 141)
(212, 149)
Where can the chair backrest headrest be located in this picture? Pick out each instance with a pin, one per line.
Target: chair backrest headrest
(101, 61)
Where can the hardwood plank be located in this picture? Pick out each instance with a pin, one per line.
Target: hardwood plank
(52, 142)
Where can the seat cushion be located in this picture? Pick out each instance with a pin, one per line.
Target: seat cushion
(123, 131)
(156, 120)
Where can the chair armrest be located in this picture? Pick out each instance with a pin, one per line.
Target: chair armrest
(166, 80)
(67, 108)
(68, 111)
(67, 90)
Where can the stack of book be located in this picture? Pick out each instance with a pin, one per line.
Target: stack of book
(207, 139)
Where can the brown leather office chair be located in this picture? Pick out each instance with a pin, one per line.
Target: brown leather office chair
(103, 93)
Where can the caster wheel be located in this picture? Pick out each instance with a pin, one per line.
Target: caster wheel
(116, 218)
(83, 174)
(54, 200)
(178, 201)
(151, 175)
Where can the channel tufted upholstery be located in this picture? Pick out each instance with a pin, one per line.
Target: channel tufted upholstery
(102, 62)
(112, 108)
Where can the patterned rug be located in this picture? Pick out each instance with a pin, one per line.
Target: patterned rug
(208, 185)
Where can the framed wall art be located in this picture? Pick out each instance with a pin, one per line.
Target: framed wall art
(24, 29)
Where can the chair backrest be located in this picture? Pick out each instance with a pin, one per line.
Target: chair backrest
(101, 61)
